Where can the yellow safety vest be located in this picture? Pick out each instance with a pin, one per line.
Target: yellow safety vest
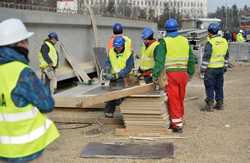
(219, 50)
(240, 38)
(147, 56)
(52, 54)
(118, 61)
(128, 43)
(177, 52)
(23, 130)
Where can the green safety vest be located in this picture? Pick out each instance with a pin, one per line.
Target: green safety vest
(240, 38)
(177, 52)
(118, 61)
(147, 56)
(23, 130)
(52, 54)
(219, 50)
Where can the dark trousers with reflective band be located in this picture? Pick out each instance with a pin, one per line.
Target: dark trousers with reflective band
(214, 82)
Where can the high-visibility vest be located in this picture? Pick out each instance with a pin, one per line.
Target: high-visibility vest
(177, 52)
(23, 130)
(52, 55)
(118, 61)
(147, 56)
(128, 42)
(219, 50)
(239, 37)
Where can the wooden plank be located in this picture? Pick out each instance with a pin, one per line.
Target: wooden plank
(81, 75)
(85, 100)
(141, 132)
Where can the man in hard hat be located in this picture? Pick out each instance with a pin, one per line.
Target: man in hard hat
(240, 37)
(118, 66)
(24, 131)
(48, 58)
(118, 31)
(146, 62)
(175, 53)
(214, 65)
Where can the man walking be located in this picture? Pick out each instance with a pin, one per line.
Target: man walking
(176, 55)
(214, 65)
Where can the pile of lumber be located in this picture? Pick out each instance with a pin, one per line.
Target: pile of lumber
(146, 113)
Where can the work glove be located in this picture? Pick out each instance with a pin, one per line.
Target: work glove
(108, 76)
(156, 83)
(202, 75)
(225, 69)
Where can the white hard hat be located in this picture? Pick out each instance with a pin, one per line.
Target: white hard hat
(13, 31)
(241, 31)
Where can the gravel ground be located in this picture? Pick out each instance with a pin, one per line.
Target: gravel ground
(219, 136)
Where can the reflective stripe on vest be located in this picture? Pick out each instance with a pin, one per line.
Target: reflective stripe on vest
(177, 52)
(147, 56)
(219, 50)
(14, 117)
(118, 61)
(23, 139)
(52, 55)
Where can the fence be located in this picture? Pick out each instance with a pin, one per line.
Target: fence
(239, 51)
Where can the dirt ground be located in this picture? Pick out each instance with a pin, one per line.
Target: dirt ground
(219, 136)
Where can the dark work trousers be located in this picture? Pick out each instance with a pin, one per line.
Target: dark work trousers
(214, 82)
(111, 105)
(148, 79)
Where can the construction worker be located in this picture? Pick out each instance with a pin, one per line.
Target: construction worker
(24, 131)
(118, 66)
(176, 54)
(240, 37)
(48, 58)
(146, 62)
(214, 65)
(118, 31)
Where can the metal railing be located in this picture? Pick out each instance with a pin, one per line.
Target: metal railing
(239, 51)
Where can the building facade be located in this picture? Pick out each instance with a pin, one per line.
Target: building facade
(187, 8)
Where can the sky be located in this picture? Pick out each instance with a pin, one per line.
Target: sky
(213, 4)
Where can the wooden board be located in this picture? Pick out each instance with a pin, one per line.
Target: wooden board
(85, 100)
(128, 151)
(142, 132)
(80, 74)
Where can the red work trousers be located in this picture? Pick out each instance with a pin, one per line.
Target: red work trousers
(176, 90)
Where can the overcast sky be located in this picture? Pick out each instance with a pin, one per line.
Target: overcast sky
(212, 4)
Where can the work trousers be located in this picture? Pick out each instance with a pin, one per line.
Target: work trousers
(176, 90)
(49, 79)
(111, 105)
(214, 83)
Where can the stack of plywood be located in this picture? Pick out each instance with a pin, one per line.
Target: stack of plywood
(146, 112)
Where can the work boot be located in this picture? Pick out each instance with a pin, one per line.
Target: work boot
(219, 105)
(177, 130)
(209, 106)
(109, 115)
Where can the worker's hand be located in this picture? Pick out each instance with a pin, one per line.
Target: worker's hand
(156, 82)
(108, 76)
(202, 75)
(225, 69)
(190, 77)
